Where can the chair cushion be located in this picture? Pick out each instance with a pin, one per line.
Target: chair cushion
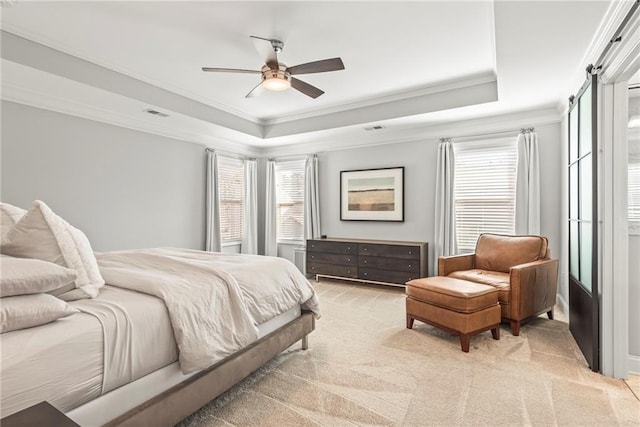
(497, 279)
(456, 295)
(496, 252)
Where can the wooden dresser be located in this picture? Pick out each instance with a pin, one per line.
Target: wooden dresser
(377, 261)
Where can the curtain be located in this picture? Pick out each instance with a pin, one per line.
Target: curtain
(213, 240)
(445, 216)
(271, 225)
(528, 185)
(250, 223)
(311, 198)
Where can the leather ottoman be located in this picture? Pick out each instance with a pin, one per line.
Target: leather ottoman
(457, 306)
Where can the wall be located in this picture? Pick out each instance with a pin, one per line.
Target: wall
(419, 161)
(123, 188)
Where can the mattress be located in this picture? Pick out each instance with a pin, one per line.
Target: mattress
(67, 362)
(91, 381)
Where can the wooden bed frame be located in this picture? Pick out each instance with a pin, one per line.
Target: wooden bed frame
(180, 401)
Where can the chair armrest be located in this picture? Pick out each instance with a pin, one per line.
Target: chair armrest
(449, 264)
(534, 286)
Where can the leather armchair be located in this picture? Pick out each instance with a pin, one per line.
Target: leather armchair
(520, 267)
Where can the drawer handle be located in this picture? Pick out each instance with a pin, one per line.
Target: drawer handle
(348, 259)
(348, 248)
(410, 252)
(313, 268)
(365, 249)
(364, 274)
(313, 256)
(348, 271)
(409, 265)
(365, 261)
(313, 246)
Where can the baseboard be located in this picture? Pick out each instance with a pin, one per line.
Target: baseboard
(634, 365)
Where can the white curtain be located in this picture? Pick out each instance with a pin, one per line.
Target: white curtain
(213, 241)
(250, 223)
(271, 225)
(528, 185)
(445, 216)
(311, 199)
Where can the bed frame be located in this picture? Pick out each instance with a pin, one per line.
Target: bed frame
(180, 401)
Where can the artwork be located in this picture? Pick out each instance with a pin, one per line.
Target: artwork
(372, 195)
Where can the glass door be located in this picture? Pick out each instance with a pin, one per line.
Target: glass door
(584, 319)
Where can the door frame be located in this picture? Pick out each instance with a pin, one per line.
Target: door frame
(619, 66)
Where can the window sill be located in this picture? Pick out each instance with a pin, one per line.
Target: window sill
(292, 242)
(237, 243)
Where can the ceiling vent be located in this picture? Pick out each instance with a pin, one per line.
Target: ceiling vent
(156, 112)
(374, 127)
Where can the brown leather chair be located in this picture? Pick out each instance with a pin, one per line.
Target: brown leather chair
(520, 268)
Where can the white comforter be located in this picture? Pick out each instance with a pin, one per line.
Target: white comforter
(215, 300)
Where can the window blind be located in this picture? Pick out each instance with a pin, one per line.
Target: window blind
(634, 189)
(484, 188)
(230, 190)
(290, 200)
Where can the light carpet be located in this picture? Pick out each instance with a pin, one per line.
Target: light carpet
(363, 367)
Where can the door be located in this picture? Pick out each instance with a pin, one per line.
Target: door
(584, 318)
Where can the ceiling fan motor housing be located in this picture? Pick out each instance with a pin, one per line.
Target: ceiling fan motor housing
(276, 80)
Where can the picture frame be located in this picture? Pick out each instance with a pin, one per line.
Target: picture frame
(372, 194)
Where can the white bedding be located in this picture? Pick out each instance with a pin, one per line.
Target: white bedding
(215, 300)
(62, 362)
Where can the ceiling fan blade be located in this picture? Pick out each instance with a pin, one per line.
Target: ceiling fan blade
(230, 70)
(324, 65)
(256, 91)
(266, 51)
(306, 88)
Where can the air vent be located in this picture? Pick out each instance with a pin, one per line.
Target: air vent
(156, 112)
(374, 127)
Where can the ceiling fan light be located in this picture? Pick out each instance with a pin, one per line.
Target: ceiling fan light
(276, 84)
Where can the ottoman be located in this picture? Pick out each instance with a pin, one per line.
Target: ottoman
(457, 306)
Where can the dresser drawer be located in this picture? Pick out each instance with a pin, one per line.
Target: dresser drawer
(332, 247)
(394, 251)
(393, 264)
(340, 259)
(398, 277)
(332, 269)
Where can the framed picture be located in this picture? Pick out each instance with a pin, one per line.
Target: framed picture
(372, 195)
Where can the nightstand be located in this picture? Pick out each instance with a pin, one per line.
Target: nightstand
(41, 414)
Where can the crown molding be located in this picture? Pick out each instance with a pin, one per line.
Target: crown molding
(458, 83)
(19, 94)
(431, 132)
(56, 45)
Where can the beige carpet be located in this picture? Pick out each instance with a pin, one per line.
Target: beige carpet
(363, 367)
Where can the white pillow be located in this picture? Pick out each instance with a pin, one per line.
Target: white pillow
(26, 311)
(9, 215)
(22, 276)
(42, 234)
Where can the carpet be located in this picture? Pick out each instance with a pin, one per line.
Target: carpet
(363, 367)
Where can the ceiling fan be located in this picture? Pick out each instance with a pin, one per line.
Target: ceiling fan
(277, 76)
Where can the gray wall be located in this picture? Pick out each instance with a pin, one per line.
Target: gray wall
(123, 188)
(419, 161)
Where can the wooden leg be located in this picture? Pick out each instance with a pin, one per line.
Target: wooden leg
(550, 314)
(305, 342)
(515, 327)
(495, 333)
(409, 321)
(465, 339)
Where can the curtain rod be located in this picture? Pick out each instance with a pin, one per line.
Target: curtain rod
(228, 154)
(291, 157)
(478, 135)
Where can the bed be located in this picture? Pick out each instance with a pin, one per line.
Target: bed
(169, 331)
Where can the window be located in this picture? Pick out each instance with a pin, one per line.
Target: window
(485, 189)
(290, 200)
(634, 189)
(230, 191)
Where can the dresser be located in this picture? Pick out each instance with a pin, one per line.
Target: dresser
(378, 261)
